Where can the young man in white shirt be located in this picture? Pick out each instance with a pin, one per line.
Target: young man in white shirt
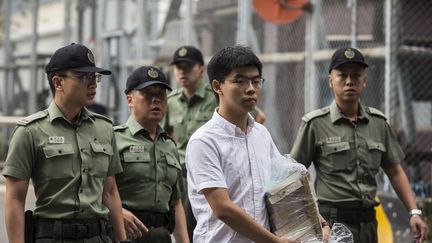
(228, 158)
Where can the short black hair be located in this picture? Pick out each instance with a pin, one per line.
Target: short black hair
(228, 59)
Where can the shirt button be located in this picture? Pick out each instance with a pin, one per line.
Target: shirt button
(84, 170)
(81, 190)
(59, 151)
(158, 201)
(82, 150)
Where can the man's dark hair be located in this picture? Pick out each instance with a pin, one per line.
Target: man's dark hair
(228, 59)
(50, 77)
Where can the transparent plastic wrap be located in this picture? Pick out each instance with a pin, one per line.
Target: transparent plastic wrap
(291, 204)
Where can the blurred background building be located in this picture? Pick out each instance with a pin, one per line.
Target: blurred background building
(293, 38)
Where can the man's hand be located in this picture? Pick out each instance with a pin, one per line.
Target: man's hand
(134, 227)
(418, 228)
(288, 241)
(325, 228)
(326, 232)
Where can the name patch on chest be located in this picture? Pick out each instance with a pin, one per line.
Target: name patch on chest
(333, 140)
(136, 149)
(56, 139)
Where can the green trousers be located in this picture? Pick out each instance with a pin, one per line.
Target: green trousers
(96, 239)
(364, 232)
(190, 218)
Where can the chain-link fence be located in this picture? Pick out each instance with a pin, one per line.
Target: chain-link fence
(394, 35)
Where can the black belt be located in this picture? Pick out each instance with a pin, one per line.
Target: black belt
(71, 229)
(151, 219)
(348, 215)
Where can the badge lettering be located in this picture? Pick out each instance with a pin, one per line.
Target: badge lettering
(333, 140)
(56, 139)
(136, 149)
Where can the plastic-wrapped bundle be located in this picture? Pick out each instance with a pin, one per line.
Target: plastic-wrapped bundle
(339, 234)
(291, 203)
(293, 213)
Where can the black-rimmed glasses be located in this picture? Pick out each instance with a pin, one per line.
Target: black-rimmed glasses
(85, 77)
(256, 82)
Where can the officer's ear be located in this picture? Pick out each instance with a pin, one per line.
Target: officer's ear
(129, 98)
(330, 81)
(202, 69)
(57, 82)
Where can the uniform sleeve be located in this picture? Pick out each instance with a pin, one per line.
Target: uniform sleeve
(115, 164)
(303, 150)
(21, 156)
(204, 166)
(394, 154)
(178, 188)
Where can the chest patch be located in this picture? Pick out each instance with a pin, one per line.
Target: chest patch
(333, 140)
(136, 149)
(56, 139)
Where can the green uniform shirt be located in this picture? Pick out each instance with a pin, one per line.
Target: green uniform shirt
(347, 157)
(151, 177)
(185, 118)
(68, 163)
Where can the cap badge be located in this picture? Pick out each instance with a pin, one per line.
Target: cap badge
(182, 52)
(90, 57)
(349, 54)
(152, 73)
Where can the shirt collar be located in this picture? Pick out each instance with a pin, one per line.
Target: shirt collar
(200, 92)
(55, 112)
(135, 127)
(232, 129)
(336, 114)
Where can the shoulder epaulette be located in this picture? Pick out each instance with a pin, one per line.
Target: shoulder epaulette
(208, 87)
(175, 92)
(316, 113)
(170, 138)
(120, 127)
(33, 117)
(375, 112)
(102, 117)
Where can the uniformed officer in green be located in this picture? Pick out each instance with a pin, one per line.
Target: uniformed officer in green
(150, 185)
(189, 107)
(348, 142)
(71, 157)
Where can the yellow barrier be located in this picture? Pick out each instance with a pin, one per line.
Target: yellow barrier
(385, 231)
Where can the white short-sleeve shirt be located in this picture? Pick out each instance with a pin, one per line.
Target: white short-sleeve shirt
(220, 155)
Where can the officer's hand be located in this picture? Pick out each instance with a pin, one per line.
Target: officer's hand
(325, 228)
(418, 228)
(133, 226)
(288, 241)
(326, 233)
